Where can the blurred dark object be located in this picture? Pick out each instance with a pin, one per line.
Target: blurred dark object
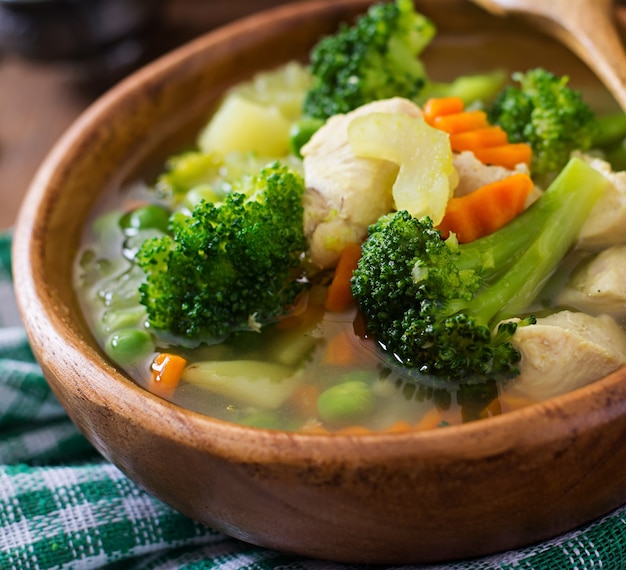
(99, 38)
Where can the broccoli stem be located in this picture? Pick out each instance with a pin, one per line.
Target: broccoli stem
(496, 252)
(543, 234)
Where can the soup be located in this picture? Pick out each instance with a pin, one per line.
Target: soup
(316, 367)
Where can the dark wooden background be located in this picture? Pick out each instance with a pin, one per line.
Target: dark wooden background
(39, 100)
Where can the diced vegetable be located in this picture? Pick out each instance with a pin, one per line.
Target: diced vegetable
(440, 106)
(167, 370)
(506, 155)
(257, 115)
(340, 350)
(478, 138)
(426, 177)
(253, 382)
(339, 296)
(128, 317)
(487, 209)
(346, 402)
(295, 337)
(240, 125)
(304, 400)
(471, 131)
(461, 122)
(430, 420)
(129, 345)
(148, 216)
(283, 87)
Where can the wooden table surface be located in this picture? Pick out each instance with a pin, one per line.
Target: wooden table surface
(39, 100)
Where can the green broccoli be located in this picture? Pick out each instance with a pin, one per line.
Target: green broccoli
(433, 304)
(547, 114)
(228, 266)
(376, 58)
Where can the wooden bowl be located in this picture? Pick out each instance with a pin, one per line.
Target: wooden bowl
(457, 492)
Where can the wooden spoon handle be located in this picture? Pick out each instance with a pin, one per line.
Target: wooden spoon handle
(585, 26)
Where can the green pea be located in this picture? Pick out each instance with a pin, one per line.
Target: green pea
(127, 346)
(144, 217)
(346, 402)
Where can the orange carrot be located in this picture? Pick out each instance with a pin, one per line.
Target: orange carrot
(339, 296)
(461, 122)
(304, 399)
(439, 106)
(340, 349)
(494, 408)
(470, 130)
(167, 370)
(487, 209)
(508, 155)
(302, 320)
(398, 427)
(478, 138)
(430, 420)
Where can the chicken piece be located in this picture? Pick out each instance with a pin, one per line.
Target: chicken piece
(345, 193)
(473, 174)
(565, 351)
(598, 285)
(606, 224)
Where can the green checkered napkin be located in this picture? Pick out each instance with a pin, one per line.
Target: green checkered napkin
(63, 506)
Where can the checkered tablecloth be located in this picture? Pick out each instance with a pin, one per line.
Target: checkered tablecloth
(63, 506)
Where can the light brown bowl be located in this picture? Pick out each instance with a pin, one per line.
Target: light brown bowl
(457, 492)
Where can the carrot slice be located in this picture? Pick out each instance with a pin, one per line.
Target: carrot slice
(487, 209)
(507, 155)
(461, 122)
(471, 131)
(510, 402)
(430, 420)
(398, 427)
(340, 349)
(478, 138)
(339, 296)
(304, 399)
(167, 370)
(439, 106)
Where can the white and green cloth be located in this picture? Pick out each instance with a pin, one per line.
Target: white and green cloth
(62, 506)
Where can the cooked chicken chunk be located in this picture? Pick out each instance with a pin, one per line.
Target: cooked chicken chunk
(565, 351)
(345, 193)
(599, 285)
(606, 224)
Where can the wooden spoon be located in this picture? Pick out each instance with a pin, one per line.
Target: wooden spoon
(585, 26)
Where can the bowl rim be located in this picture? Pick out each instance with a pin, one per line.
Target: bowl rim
(599, 403)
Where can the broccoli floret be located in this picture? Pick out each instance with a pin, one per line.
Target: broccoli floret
(547, 114)
(434, 304)
(373, 59)
(228, 266)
